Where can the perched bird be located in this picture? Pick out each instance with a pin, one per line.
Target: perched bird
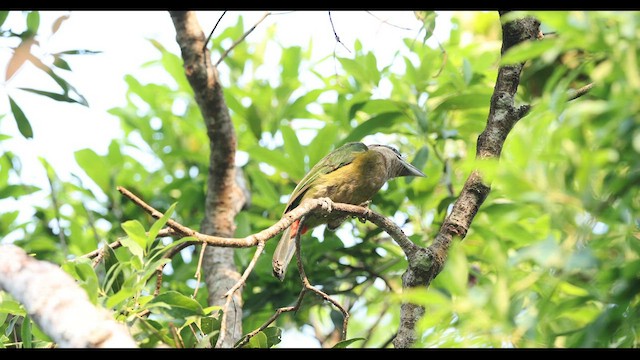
(351, 174)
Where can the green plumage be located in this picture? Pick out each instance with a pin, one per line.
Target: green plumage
(338, 158)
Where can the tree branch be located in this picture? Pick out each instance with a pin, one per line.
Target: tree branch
(57, 304)
(574, 94)
(241, 39)
(318, 206)
(426, 263)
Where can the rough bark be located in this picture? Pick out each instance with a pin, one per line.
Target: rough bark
(224, 197)
(57, 304)
(426, 263)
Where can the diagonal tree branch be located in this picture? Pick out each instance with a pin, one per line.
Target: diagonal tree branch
(57, 304)
(241, 39)
(225, 197)
(426, 263)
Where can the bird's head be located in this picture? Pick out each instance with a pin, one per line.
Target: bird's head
(396, 164)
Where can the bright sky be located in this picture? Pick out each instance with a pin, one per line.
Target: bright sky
(60, 129)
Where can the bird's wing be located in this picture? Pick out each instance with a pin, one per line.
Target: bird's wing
(336, 159)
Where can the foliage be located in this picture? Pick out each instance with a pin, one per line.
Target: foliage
(25, 51)
(551, 260)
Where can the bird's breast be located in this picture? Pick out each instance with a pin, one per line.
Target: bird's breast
(354, 183)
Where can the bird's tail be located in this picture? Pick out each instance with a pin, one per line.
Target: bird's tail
(284, 251)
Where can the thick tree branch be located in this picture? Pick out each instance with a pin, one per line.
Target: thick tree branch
(225, 197)
(57, 304)
(426, 263)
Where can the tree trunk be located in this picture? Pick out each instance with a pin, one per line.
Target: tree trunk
(224, 197)
(426, 263)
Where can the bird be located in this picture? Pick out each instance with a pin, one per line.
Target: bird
(352, 174)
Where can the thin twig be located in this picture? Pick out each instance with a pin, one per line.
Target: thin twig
(336, 34)
(388, 23)
(98, 252)
(308, 286)
(176, 336)
(237, 42)
(234, 288)
(199, 270)
(574, 94)
(204, 47)
(246, 273)
(273, 318)
(159, 270)
(116, 244)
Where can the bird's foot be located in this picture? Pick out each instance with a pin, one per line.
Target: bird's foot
(327, 204)
(363, 218)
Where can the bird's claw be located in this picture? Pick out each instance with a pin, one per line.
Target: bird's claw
(365, 215)
(326, 204)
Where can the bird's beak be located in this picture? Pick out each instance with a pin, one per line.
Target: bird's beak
(410, 170)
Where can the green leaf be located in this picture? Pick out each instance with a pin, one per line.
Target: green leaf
(3, 16)
(444, 203)
(345, 343)
(419, 161)
(25, 333)
(122, 295)
(159, 224)
(95, 166)
(175, 305)
(11, 307)
(33, 22)
(379, 123)
(88, 279)
(274, 335)
(428, 19)
(322, 143)
(133, 247)
(465, 101)
(254, 119)
(258, 341)
(528, 50)
(274, 158)
(16, 191)
(78, 52)
(375, 106)
(209, 324)
(294, 150)
(64, 85)
(52, 95)
(467, 71)
(21, 120)
(136, 231)
(61, 63)
(111, 263)
(10, 326)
